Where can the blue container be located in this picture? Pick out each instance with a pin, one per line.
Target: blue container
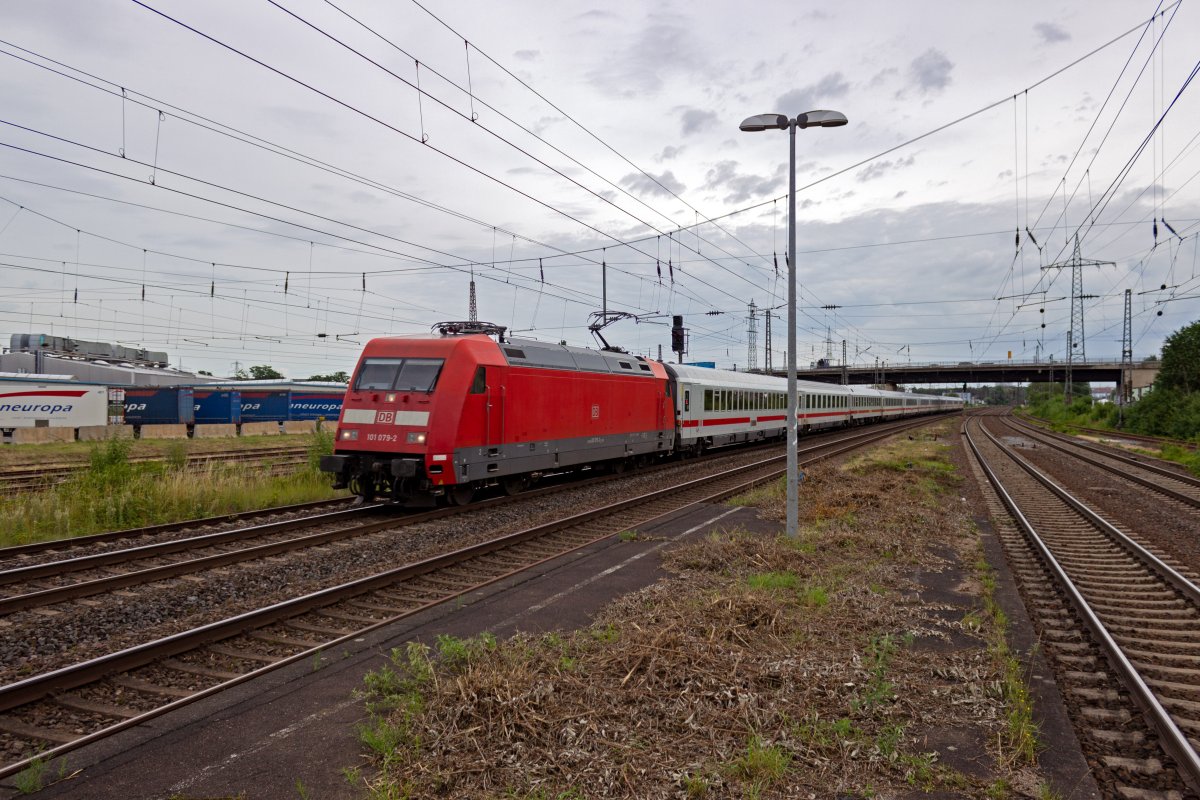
(315, 404)
(265, 405)
(217, 406)
(172, 405)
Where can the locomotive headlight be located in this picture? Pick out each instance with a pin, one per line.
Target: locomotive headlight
(390, 397)
(415, 438)
(350, 435)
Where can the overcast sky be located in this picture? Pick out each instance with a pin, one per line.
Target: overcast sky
(287, 169)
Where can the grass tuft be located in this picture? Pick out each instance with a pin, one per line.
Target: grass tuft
(114, 493)
(760, 764)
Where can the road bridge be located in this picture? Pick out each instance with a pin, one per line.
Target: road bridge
(980, 372)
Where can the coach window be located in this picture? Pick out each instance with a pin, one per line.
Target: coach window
(708, 399)
(687, 399)
(479, 384)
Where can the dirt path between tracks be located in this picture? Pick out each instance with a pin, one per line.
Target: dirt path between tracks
(867, 658)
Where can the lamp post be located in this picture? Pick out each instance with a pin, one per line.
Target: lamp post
(763, 122)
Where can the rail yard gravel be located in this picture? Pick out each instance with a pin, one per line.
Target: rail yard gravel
(847, 664)
(1161, 524)
(37, 641)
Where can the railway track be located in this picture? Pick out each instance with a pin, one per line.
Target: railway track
(46, 574)
(33, 477)
(1121, 624)
(62, 709)
(24, 554)
(1156, 441)
(62, 561)
(1163, 478)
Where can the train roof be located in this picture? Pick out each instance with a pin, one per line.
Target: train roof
(721, 378)
(755, 380)
(530, 352)
(274, 384)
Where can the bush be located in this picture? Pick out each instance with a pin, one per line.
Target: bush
(1166, 412)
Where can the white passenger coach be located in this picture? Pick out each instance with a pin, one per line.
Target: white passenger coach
(715, 407)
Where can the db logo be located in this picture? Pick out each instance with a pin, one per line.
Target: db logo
(596, 411)
(386, 417)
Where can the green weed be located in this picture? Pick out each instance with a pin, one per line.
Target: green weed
(814, 597)
(353, 775)
(32, 778)
(773, 581)
(607, 634)
(458, 653)
(760, 764)
(1021, 727)
(695, 786)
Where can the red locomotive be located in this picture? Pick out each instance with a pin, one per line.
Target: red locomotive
(427, 417)
(445, 416)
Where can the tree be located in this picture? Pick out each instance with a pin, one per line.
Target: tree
(1181, 361)
(260, 372)
(334, 377)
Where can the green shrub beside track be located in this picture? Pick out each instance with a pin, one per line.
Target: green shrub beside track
(114, 493)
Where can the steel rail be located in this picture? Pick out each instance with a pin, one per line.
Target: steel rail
(74, 676)
(1175, 742)
(155, 549)
(32, 572)
(34, 688)
(1057, 441)
(1133, 437)
(1165, 570)
(109, 583)
(166, 527)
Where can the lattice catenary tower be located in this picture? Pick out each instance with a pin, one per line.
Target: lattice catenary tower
(1075, 336)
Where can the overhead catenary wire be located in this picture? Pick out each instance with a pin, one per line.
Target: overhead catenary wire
(411, 137)
(685, 262)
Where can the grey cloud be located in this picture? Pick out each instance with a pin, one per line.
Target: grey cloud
(662, 47)
(527, 55)
(740, 187)
(931, 70)
(361, 197)
(883, 75)
(1051, 33)
(669, 152)
(597, 13)
(695, 120)
(648, 183)
(544, 123)
(878, 169)
(302, 119)
(807, 98)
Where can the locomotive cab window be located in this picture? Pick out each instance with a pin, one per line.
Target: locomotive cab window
(401, 374)
(479, 383)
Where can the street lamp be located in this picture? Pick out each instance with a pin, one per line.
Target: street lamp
(763, 122)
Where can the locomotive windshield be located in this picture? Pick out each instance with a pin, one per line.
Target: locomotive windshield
(398, 374)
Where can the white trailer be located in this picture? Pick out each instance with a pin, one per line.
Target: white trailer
(53, 404)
